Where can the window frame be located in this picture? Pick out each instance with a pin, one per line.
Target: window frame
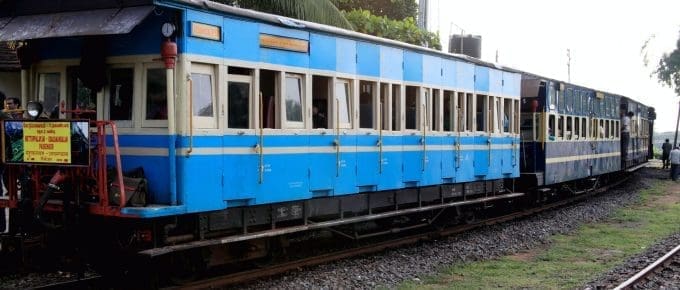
(348, 102)
(206, 122)
(107, 93)
(40, 89)
(251, 101)
(284, 109)
(145, 122)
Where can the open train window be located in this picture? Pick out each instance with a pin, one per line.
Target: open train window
(121, 88)
(560, 128)
(411, 107)
(80, 96)
(449, 109)
(469, 112)
(577, 128)
(269, 84)
(294, 101)
(515, 116)
(203, 96)
(508, 115)
(239, 98)
(569, 132)
(396, 108)
(584, 130)
(49, 92)
(383, 107)
(460, 113)
(481, 113)
(551, 127)
(367, 93)
(435, 112)
(320, 102)
(343, 103)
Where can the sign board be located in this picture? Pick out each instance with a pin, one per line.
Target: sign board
(46, 142)
(206, 31)
(286, 43)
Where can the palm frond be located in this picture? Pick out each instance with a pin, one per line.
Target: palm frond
(319, 11)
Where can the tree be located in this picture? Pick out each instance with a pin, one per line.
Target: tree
(668, 70)
(319, 11)
(324, 11)
(405, 30)
(393, 9)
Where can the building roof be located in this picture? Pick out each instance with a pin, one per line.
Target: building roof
(8, 58)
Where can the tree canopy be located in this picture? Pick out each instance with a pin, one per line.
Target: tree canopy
(393, 19)
(668, 69)
(393, 9)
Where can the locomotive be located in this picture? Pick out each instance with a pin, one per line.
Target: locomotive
(213, 134)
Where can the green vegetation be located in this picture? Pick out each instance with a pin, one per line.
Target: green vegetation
(577, 258)
(405, 30)
(393, 19)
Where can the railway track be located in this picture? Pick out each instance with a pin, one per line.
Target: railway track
(648, 273)
(254, 274)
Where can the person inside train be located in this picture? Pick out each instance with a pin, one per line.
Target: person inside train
(318, 118)
(11, 105)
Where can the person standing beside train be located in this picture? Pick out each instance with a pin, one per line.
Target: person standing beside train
(675, 162)
(12, 105)
(666, 151)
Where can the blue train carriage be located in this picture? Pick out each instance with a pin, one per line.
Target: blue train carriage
(568, 132)
(265, 120)
(636, 150)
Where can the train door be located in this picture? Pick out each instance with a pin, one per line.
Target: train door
(413, 140)
(483, 112)
(323, 170)
(367, 140)
(241, 170)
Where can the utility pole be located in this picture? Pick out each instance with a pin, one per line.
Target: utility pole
(568, 65)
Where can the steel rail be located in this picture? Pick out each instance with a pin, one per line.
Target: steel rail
(628, 284)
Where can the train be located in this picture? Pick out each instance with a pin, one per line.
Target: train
(212, 134)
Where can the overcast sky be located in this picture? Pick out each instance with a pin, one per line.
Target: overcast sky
(604, 36)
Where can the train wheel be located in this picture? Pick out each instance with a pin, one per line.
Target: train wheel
(185, 267)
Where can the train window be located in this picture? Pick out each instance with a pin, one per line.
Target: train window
(460, 112)
(577, 128)
(294, 95)
(551, 127)
(81, 96)
(320, 101)
(343, 101)
(515, 116)
(560, 128)
(396, 108)
(155, 93)
(584, 130)
(436, 112)
(366, 104)
(607, 129)
(121, 81)
(238, 101)
(49, 91)
(269, 92)
(601, 130)
(568, 133)
(383, 108)
(411, 107)
(481, 115)
(469, 112)
(449, 111)
(203, 96)
(507, 113)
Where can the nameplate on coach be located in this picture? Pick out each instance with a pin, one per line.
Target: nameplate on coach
(206, 31)
(285, 43)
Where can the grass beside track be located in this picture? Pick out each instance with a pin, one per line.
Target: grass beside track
(572, 260)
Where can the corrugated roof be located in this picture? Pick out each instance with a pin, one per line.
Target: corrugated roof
(8, 58)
